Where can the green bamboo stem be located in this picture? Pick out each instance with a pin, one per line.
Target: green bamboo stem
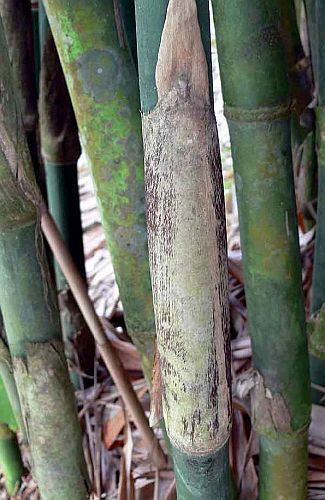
(63, 201)
(10, 421)
(36, 39)
(187, 242)
(310, 6)
(7, 415)
(308, 186)
(43, 27)
(60, 150)
(103, 86)
(7, 378)
(257, 106)
(302, 118)
(10, 459)
(299, 6)
(316, 13)
(296, 61)
(127, 10)
(30, 314)
(148, 42)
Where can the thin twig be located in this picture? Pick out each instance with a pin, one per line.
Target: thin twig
(107, 351)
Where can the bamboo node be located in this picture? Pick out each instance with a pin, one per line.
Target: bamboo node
(269, 411)
(262, 114)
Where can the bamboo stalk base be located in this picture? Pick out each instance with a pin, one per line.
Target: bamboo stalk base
(283, 467)
(202, 476)
(10, 459)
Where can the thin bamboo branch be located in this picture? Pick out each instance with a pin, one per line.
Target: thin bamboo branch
(107, 351)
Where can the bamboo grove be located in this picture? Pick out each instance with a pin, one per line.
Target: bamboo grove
(129, 83)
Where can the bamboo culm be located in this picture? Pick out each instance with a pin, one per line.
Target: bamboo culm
(316, 19)
(60, 149)
(187, 242)
(30, 314)
(302, 117)
(257, 106)
(11, 464)
(10, 420)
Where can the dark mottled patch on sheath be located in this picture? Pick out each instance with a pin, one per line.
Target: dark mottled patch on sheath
(99, 71)
(194, 424)
(160, 204)
(212, 375)
(268, 36)
(167, 367)
(218, 204)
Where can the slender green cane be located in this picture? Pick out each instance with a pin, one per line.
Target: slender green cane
(297, 64)
(302, 118)
(104, 90)
(308, 182)
(36, 40)
(8, 381)
(257, 106)
(10, 421)
(186, 229)
(316, 16)
(60, 151)
(310, 6)
(127, 10)
(10, 458)
(30, 314)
